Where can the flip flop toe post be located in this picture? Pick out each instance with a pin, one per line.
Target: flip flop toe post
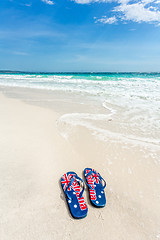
(71, 185)
(96, 185)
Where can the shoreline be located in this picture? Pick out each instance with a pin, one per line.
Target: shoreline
(78, 106)
(34, 155)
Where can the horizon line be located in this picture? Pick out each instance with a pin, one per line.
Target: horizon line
(74, 72)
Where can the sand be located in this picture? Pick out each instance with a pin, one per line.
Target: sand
(35, 153)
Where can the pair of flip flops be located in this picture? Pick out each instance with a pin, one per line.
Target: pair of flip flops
(73, 187)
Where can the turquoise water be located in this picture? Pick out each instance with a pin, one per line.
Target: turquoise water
(91, 83)
(133, 99)
(115, 87)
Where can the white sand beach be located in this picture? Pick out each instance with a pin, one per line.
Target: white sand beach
(38, 145)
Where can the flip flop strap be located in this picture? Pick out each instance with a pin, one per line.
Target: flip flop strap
(75, 177)
(79, 179)
(91, 172)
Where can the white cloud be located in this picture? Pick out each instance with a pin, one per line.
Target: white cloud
(139, 11)
(90, 1)
(83, 1)
(28, 4)
(105, 20)
(48, 2)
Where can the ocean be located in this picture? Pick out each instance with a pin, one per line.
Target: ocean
(132, 99)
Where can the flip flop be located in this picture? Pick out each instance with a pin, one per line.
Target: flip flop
(96, 185)
(71, 186)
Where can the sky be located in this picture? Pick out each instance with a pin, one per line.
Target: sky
(80, 35)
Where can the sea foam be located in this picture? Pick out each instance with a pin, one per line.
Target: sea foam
(132, 99)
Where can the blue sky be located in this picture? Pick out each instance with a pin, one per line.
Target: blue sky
(80, 35)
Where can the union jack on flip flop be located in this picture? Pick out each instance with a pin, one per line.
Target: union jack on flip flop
(71, 186)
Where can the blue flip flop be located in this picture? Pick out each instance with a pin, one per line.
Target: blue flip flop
(71, 186)
(96, 185)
